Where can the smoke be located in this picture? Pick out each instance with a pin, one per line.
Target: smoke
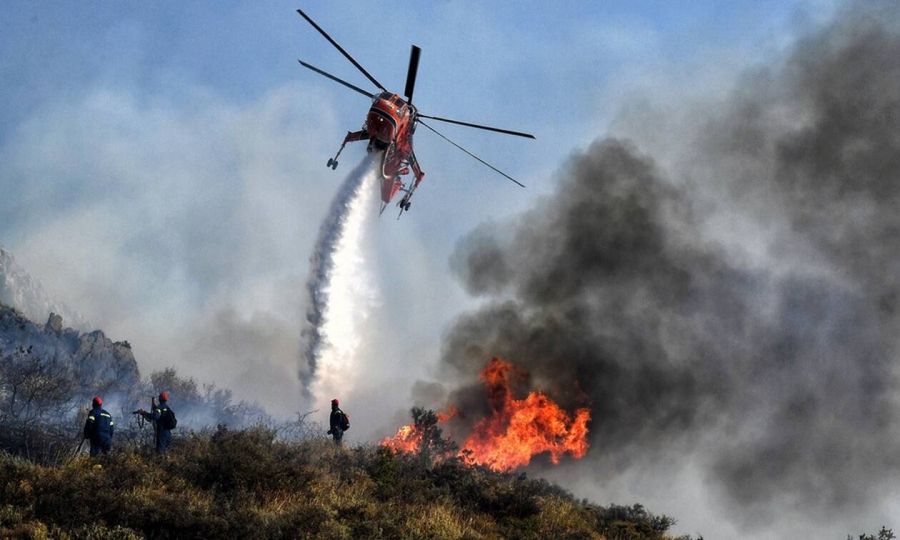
(340, 289)
(736, 310)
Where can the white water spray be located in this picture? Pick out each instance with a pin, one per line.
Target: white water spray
(342, 293)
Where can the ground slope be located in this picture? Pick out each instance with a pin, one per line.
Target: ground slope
(248, 484)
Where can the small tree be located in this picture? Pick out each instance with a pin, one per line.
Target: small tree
(167, 380)
(883, 534)
(33, 387)
(433, 445)
(35, 399)
(205, 404)
(301, 429)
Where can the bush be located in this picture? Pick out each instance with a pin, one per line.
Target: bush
(629, 522)
(883, 534)
(250, 484)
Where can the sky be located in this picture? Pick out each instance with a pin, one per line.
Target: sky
(162, 169)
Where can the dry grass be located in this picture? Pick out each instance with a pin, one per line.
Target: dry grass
(247, 484)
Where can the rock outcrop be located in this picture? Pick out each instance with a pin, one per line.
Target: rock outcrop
(97, 363)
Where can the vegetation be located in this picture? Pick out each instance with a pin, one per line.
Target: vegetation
(433, 445)
(35, 392)
(43, 405)
(253, 484)
(883, 534)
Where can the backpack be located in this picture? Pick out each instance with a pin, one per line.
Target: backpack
(345, 421)
(167, 419)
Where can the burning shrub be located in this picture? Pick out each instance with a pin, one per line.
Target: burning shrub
(519, 429)
(515, 432)
(423, 438)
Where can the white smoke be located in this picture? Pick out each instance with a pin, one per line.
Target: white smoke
(341, 287)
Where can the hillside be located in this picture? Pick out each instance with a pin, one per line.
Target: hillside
(49, 373)
(273, 480)
(252, 484)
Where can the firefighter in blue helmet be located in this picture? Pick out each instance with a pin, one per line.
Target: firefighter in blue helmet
(163, 419)
(99, 428)
(339, 422)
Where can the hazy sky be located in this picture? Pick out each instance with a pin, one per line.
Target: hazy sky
(162, 164)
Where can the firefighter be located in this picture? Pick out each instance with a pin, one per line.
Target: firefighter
(99, 428)
(339, 422)
(163, 419)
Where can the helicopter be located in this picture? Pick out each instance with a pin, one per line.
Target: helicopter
(390, 125)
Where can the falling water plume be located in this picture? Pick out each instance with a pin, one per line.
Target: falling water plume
(337, 245)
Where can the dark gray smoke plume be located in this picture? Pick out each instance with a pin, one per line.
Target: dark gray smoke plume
(778, 371)
(321, 264)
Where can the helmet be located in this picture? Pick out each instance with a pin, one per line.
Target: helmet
(98, 401)
(163, 396)
(335, 401)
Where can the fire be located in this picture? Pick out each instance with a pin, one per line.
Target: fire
(517, 429)
(409, 438)
(451, 412)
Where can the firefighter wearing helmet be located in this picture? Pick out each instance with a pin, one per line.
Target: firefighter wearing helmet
(99, 428)
(164, 421)
(339, 422)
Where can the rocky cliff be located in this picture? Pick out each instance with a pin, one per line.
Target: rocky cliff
(97, 363)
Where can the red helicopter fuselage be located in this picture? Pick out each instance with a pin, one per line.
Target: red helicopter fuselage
(388, 117)
(389, 128)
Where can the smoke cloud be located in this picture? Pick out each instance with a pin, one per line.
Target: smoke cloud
(736, 309)
(180, 225)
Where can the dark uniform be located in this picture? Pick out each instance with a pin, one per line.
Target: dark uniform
(163, 435)
(335, 422)
(99, 428)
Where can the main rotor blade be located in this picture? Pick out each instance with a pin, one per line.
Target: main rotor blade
(441, 135)
(411, 72)
(335, 79)
(489, 128)
(345, 53)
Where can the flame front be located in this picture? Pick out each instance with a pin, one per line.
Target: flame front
(407, 439)
(517, 429)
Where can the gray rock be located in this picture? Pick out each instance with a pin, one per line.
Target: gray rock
(54, 324)
(98, 364)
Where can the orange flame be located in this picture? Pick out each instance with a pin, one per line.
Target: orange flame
(519, 429)
(451, 412)
(516, 431)
(407, 440)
